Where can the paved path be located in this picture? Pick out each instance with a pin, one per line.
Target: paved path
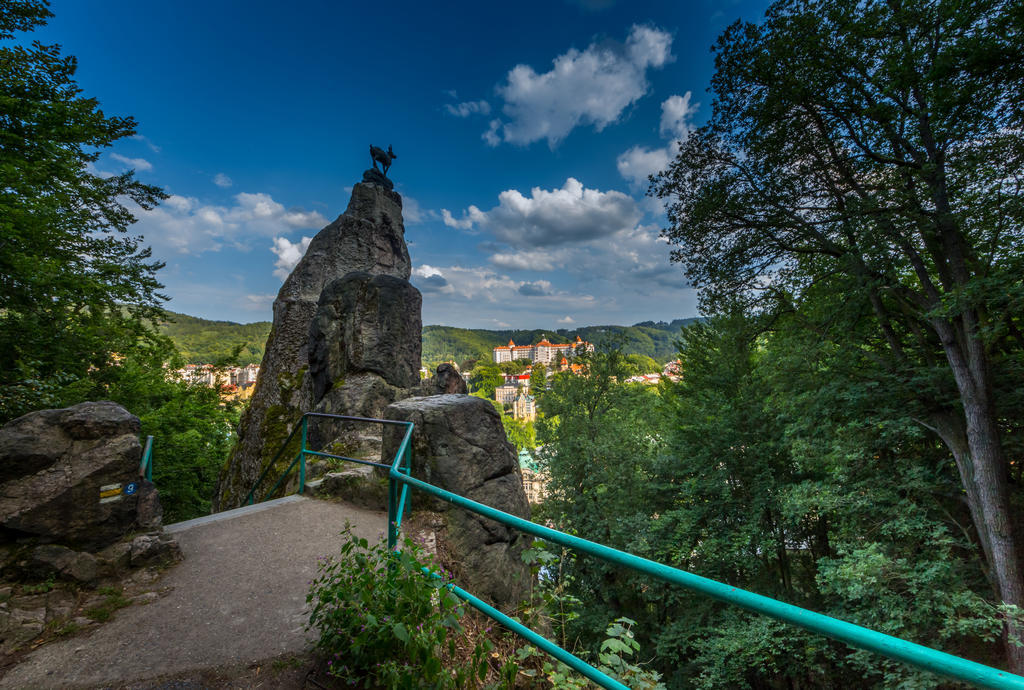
(239, 596)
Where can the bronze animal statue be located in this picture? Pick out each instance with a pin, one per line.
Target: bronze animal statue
(382, 156)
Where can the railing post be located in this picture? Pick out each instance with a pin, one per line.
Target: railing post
(392, 514)
(302, 451)
(146, 466)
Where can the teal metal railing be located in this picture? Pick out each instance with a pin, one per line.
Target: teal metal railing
(400, 481)
(146, 464)
(300, 457)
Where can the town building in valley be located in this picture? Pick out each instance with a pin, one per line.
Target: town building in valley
(534, 480)
(544, 352)
(524, 407)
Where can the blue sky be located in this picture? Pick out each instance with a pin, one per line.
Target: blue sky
(524, 133)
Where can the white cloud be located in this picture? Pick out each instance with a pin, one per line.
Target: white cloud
(620, 282)
(634, 259)
(288, 254)
(492, 136)
(589, 87)
(429, 278)
(676, 116)
(222, 180)
(482, 283)
(184, 225)
(413, 213)
(152, 147)
(258, 302)
(471, 216)
(91, 168)
(636, 164)
(552, 217)
(469, 108)
(261, 211)
(137, 163)
(536, 288)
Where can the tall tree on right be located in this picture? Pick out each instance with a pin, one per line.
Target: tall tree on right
(870, 155)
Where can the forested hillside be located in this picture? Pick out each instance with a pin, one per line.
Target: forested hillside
(655, 339)
(202, 341)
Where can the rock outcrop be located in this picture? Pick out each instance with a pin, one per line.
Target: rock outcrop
(72, 476)
(369, 238)
(365, 351)
(366, 324)
(459, 444)
(445, 380)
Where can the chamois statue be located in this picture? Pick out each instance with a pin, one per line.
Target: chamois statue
(385, 157)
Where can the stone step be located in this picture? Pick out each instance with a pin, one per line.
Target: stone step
(233, 513)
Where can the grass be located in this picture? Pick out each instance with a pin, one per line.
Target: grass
(40, 588)
(114, 600)
(290, 662)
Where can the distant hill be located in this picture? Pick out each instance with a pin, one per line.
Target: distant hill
(656, 339)
(201, 340)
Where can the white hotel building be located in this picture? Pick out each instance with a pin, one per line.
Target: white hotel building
(543, 352)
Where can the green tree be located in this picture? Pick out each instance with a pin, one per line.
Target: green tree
(485, 378)
(515, 367)
(776, 466)
(75, 288)
(642, 364)
(520, 432)
(773, 482)
(868, 156)
(599, 440)
(538, 377)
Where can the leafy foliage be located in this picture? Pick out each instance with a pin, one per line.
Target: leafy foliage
(75, 288)
(521, 433)
(383, 622)
(763, 468)
(862, 170)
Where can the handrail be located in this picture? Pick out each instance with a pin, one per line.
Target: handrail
(855, 635)
(300, 457)
(399, 473)
(270, 465)
(146, 464)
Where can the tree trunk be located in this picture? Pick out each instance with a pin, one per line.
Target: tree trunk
(987, 484)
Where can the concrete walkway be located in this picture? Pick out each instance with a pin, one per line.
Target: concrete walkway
(239, 596)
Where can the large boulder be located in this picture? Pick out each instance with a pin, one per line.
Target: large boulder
(459, 445)
(369, 237)
(365, 323)
(66, 475)
(446, 380)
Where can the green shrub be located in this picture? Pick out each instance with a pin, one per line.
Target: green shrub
(382, 622)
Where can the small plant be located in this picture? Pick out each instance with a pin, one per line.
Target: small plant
(290, 662)
(69, 628)
(383, 621)
(615, 656)
(113, 601)
(41, 587)
(614, 661)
